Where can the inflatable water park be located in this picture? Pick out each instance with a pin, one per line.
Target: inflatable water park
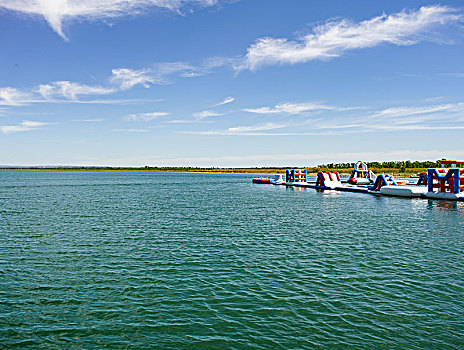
(445, 183)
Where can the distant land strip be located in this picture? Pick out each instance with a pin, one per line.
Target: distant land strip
(393, 167)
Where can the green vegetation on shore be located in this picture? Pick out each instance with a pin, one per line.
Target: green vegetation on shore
(392, 167)
(398, 165)
(257, 170)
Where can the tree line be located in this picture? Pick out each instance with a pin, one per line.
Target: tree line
(400, 164)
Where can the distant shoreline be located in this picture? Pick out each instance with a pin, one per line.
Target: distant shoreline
(251, 171)
(161, 170)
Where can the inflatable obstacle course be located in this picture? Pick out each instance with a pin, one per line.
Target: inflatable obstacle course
(361, 175)
(328, 180)
(296, 176)
(386, 185)
(279, 180)
(446, 183)
(441, 183)
(263, 180)
(381, 181)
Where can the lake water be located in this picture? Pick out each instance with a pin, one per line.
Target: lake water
(92, 260)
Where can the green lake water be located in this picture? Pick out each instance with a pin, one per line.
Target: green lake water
(93, 260)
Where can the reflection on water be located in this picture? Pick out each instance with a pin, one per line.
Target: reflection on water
(329, 193)
(446, 205)
(296, 189)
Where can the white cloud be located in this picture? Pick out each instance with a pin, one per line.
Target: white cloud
(218, 62)
(267, 126)
(163, 70)
(335, 37)
(127, 78)
(395, 112)
(121, 78)
(130, 130)
(403, 118)
(71, 90)
(101, 101)
(397, 119)
(56, 12)
(12, 97)
(50, 93)
(167, 68)
(94, 120)
(31, 124)
(68, 91)
(180, 121)
(241, 130)
(47, 91)
(227, 100)
(25, 125)
(145, 116)
(206, 114)
(434, 99)
(295, 108)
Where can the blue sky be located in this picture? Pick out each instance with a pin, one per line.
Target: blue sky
(230, 83)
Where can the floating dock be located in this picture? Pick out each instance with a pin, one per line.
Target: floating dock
(438, 183)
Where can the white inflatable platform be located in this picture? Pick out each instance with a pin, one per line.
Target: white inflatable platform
(404, 191)
(445, 195)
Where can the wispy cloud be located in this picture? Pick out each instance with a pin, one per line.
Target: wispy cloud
(68, 91)
(130, 130)
(145, 116)
(181, 121)
(163, 72)
(267, 126)
(240, 130)
(25, 125)
(51, 93)
(206, 114)
(397, 119)
(406, 118)
(121, 79)
(160, 73)
(13, 97)
(456, 75)
(401, 112)
(71, 90)
(296, 108)
(335, 37)
(99, 101)
(127, 78)
(227, 100)
(164, 69)
(56, 12)
(434, 99)
(92, 120)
